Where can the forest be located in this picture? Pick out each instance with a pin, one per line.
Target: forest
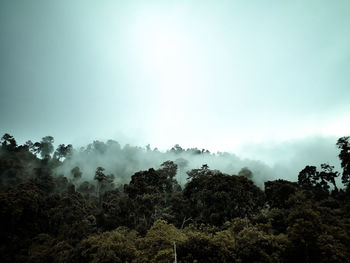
(53, 210)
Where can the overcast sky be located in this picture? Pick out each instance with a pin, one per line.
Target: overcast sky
(210, 74)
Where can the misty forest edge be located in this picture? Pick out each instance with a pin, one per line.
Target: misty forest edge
(51, 215)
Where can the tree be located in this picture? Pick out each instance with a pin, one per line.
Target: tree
(181, 164)
(21, 211)
(118, 210)
(44, 248)
(104, 182)
(216, 197)
(169, 168)
(47, 146)
(86, 188)
(63, 151)
(199, 246)
(307, 177)
(99, 177)
(21, 218)
(167, 174)
(71, 216)
(34, 147)
(151, 192)
(318, 182)
(8, 142)
(177, 149)
(328, 175)
(278, 192)
(44, 180)
(197, 173)
(152, 181)
(344, 156)
(76, 173)
(181, 209)
(246, 173)
(114, 246)
(157, 245)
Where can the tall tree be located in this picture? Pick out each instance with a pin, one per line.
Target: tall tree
(99, 177)
(246, 172)
(328, 174)
(63, 151)
(344, 156)
(216, 197)
(8, 142)
(47, 146)
(104, 182)
(307, 177)
(76, 173)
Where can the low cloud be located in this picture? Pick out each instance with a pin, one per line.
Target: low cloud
(266, 161)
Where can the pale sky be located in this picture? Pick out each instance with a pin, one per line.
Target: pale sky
(206, 74)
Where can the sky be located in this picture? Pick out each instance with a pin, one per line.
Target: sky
(253, 77)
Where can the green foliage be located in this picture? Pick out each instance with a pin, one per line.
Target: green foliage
(151, 193)
(44, 180)
(215, 218)
(216, 198)
(76, 173)
(318, 182)
(157, 245)
(104, 182)
(86, 188)
(21, 212)
(46, 249)
(198, 247)
(46, 146)
(8, 142)
(254, 245)
(114, 246)
(278, 192)
(246, 173)
(153, 181)
(118, 210)
(344, 156)
(63, 151)
(71, 217)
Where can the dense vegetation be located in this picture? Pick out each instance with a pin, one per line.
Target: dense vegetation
(215, 217)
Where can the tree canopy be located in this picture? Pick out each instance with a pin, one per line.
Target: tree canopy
(49, 216)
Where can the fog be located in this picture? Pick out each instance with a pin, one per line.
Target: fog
(267, 162)
(266, 82)
(207, 74)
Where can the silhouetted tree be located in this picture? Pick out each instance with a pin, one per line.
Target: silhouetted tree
(279, 191)
(104, 182)
(99, 177)
(246, 173)
(307, 177)
(215, 218)
(63, 151)
(76, 173)
(318, 182)
(344, 156)
(86, 188)
(216, 198)
(328, 174)
(8, 142)
(45, 147)
(177, 149)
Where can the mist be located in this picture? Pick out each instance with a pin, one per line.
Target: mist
(266, 161)
(202, 74)
(174, 121)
